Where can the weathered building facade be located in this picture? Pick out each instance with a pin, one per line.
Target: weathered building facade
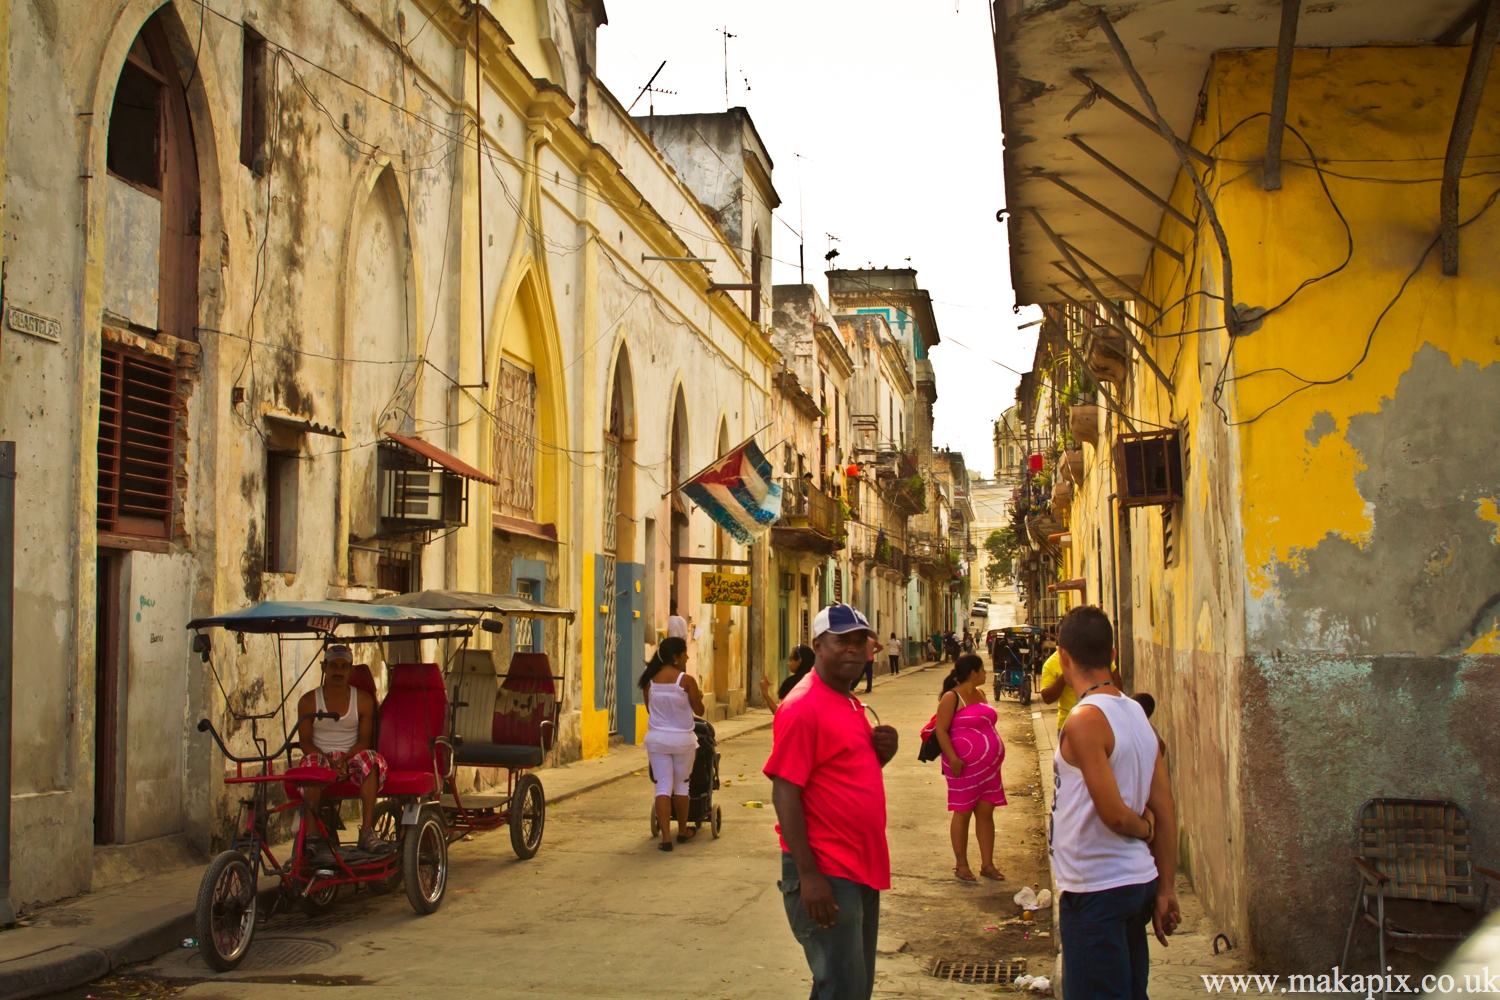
(273, 265)
(812, 399)
(1291, 349)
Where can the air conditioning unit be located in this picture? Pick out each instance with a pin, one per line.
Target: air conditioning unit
(425, 495)
(1148, 469)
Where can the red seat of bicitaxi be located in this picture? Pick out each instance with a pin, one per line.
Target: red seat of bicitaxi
(529, 673)
(414, 712)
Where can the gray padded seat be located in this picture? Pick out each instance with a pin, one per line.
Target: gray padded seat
(498, 755)
(475, 682)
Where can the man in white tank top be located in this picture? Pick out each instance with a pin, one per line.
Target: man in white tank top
(1114, 824)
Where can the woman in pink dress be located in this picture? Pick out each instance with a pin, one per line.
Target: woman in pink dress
(972, 754)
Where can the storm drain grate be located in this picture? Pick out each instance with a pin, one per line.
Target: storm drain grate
(988, 973)
(281, 953)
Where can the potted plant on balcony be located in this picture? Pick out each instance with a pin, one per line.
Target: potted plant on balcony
(1062, 496)
(1071, 463)
(1083, 418)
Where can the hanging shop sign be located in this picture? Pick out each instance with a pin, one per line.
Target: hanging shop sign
(726, 588)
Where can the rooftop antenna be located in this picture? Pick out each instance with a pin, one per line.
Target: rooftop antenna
(832, 250)
(727, 36)
(801, 226)
(646, 87)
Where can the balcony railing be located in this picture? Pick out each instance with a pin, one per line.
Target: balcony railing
(803, 505)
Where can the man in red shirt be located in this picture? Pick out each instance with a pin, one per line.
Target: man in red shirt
(830, 803)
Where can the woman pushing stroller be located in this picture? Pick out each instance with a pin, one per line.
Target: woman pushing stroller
(672, 700)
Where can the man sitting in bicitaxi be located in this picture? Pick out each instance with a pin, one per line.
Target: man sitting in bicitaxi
(343, 744)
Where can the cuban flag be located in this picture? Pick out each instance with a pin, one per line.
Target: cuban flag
(738, 493)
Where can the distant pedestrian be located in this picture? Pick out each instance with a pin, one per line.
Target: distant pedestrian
(825, 771)
(677, 626)
(972, 755)
(952, 647)
(895, 654)
(937, 647)
(799, 662)
(672, 699)
(869, 674)
(1114, 825)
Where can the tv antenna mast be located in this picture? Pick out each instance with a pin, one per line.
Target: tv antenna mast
(647, 87)
(727, 36)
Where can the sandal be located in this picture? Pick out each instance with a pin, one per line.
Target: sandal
(964, 878)
(998, 875)
(683, 840)
(665, 845)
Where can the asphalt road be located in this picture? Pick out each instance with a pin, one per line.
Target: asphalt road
(599, 912)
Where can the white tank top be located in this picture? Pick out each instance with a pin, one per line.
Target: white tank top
(670, 722)
(1088, 856)
(342, 734)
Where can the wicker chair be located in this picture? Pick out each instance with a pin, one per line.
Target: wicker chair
(1415, 874)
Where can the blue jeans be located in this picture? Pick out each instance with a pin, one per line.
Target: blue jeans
(842, 957)
(1104, 950)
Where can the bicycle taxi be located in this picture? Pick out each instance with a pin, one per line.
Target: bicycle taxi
(411, 733)
(1017, 656)
(497, 719)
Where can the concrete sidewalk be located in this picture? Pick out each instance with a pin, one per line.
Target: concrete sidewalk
(78, 940)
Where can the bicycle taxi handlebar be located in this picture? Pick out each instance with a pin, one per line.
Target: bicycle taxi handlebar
(205, 726)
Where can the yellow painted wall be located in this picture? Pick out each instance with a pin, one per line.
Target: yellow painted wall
(595, 722)
(1280, 641)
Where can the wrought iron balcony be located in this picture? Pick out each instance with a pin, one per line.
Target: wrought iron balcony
(811, 520)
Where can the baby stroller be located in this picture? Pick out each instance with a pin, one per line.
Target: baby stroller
(702, 783)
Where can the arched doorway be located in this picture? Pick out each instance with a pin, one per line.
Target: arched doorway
(151, 275)
(619, 546)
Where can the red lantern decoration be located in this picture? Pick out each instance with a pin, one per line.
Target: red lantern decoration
(1034, 463)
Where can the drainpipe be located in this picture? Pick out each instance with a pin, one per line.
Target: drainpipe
(7, 630)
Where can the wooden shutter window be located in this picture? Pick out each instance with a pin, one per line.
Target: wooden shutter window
(137, 444)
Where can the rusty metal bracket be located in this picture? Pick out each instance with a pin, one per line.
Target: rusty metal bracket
(1124, 106)
(1135, 292)
(1157, 199)
(1088, 283)
(1286, 43)
(1110, 213)
(1481, 54)
(1231, 316)
(1079, 278)
(1465, 21)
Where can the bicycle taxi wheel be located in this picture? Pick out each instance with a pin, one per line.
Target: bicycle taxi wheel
(424, 861)
(226, 911)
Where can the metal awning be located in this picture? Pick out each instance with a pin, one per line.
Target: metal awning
(466, 600)
(435, 454)
(1067, 143)
(302, 425)
(294, 617)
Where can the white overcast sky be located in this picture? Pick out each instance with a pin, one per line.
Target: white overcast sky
(893, 108)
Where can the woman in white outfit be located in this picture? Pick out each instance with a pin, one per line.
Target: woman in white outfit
(672, 699)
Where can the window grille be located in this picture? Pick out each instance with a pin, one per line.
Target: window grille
(515, 443)
(398, 570)
(137, 444)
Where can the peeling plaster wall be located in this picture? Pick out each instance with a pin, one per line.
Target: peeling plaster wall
(1325, 631)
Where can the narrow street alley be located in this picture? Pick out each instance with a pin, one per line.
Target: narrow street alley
(599, 912)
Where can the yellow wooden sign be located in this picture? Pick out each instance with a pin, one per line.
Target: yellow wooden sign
(726, 588)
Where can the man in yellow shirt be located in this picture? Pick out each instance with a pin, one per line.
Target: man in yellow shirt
(1055, 687)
